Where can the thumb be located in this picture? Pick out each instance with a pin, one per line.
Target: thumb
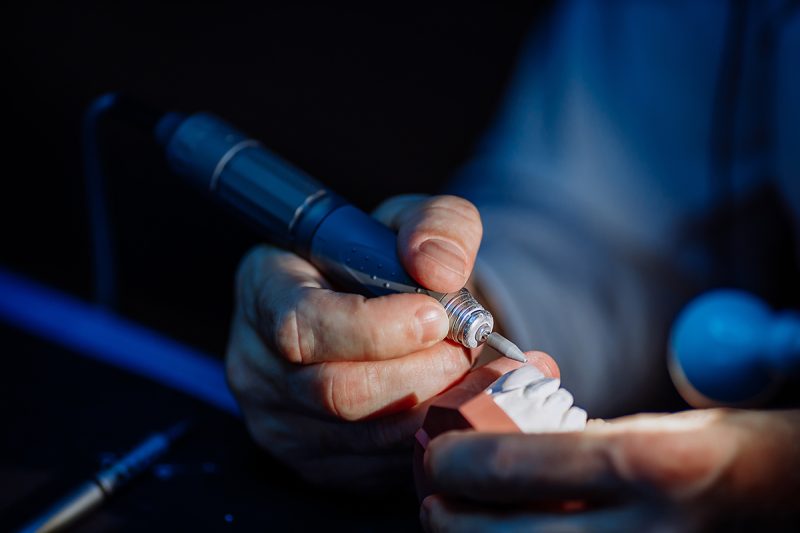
(437, 237)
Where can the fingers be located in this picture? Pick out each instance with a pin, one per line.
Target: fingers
(319, 325)
(353, 391)
(284, 417)
(306, 323)
(438, 238)
(346, 390)
(522, 468)
(684, 457)
(701, 455)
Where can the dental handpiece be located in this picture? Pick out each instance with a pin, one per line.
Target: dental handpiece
(298, 213)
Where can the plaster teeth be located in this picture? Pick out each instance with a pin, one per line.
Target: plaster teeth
(538, 391)
(522, 377)
(560, 400)
(536, 403)
(574, 420)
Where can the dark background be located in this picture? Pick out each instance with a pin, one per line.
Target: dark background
(374, 102)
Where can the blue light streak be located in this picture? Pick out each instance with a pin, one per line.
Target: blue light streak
(110, 339)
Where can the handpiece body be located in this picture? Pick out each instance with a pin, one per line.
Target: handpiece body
(297, 212)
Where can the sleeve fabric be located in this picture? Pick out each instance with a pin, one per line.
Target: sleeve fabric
(593, 189)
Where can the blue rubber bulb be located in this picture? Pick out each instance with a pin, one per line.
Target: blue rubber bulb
(727, 347)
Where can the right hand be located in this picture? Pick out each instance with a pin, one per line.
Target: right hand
(335, 384)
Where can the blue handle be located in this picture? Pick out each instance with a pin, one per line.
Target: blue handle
(293, 209)
(360, 253)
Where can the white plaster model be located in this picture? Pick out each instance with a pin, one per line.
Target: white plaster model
(535, 403)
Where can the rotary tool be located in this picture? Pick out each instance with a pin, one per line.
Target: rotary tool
(297, 212)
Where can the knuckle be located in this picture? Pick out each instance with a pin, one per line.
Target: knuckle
(501, 463)
(629, 464)
(349, 390)
(370, 343)
(371, 336)
(329, 389)
(287, 338)
(672, 466)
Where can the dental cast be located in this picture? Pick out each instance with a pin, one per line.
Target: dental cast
(535, 403)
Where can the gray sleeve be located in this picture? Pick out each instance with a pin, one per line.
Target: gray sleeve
(584, 185)
(601, 313)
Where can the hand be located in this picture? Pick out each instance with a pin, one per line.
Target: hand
(695, 470)
(334, 384)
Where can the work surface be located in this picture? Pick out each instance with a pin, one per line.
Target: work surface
(63, 415)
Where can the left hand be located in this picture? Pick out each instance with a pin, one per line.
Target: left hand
(693, 470)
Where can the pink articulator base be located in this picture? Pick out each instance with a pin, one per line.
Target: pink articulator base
(457, 409)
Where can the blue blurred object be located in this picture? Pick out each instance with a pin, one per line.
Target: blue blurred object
(729, 347)
(103, 336)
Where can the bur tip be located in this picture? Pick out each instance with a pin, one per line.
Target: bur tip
(506, 347)
(518, 357)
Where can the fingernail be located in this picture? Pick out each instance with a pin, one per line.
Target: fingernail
(446, 254)
(544, 362)
(433, 323)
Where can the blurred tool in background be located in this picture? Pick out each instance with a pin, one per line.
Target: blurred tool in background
(729, 348)
(97, 490)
